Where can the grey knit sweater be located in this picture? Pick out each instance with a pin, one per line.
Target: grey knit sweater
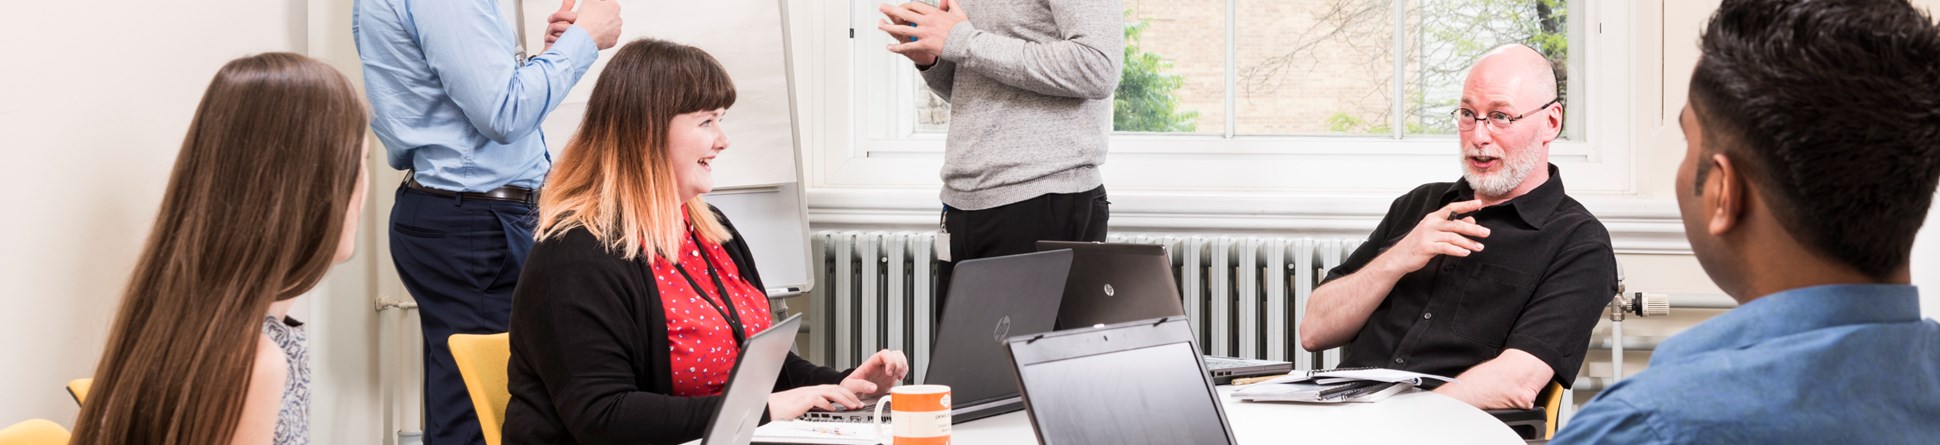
(1029, 84)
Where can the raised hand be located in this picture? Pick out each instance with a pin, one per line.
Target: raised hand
(601, 19)
(1439, 233)
(559, 21)
(920, 30)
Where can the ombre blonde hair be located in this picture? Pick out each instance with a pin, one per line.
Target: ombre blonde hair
(615, 177)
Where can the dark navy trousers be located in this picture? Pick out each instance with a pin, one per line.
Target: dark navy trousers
(459, 258)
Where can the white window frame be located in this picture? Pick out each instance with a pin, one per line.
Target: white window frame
(859, 170)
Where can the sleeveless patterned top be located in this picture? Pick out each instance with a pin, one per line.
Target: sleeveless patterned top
(293, 421)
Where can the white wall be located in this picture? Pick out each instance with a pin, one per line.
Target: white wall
(94, 112)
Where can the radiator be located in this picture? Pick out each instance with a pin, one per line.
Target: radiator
(1243, 294)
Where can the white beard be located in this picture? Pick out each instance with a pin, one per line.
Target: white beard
(1502, 182)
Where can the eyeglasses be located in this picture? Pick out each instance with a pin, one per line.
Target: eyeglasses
(1465, 119)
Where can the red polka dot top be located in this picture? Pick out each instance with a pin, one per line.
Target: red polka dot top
(700, 339)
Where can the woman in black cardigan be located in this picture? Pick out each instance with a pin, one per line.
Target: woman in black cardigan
(634, 301)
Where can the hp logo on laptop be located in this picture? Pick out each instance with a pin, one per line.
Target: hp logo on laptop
(1108, 290)
(1003, 329)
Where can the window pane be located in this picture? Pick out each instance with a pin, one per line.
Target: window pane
(932, 113)
(1450, 34)
(1315, 67)
(1175, 67)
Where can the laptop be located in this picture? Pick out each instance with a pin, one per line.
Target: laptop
(1115, 283)
(992, 299)
(1130, 383)
(745, 398)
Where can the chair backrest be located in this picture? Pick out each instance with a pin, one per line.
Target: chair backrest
(34, 432)
(79, 389)
(481, 360)
(1551, 400)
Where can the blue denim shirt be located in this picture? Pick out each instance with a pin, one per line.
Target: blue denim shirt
(1827, 364)
(451, 100)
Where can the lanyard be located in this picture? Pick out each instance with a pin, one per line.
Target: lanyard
(730, 314)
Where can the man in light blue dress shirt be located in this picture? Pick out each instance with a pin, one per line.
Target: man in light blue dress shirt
(1812, 150)
(458, 104)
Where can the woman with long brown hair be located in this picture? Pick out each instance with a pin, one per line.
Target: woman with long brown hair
(263, 199)
(637, 295)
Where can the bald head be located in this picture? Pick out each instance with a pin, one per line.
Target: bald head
(1516, 70)
(1513, 88)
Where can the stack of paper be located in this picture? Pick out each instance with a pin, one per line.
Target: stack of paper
(816, 433)
(1335, 386)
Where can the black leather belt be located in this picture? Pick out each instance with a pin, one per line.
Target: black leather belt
(506, 193)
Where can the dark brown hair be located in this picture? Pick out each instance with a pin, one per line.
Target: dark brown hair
(252, 214)
(615, 177)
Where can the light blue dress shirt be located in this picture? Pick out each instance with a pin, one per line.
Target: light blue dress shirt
(449, 97)
(1843, 364)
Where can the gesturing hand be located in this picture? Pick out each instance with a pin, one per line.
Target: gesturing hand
(929, 25)
(1436, 234)
(601, 19)
(558, 22)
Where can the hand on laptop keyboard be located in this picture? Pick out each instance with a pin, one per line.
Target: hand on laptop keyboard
(793, 403)
(877, 374)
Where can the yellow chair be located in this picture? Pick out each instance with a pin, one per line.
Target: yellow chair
(34, 432)
(481, 361)
(1538, 422)
(79, 389)
(1551, 400)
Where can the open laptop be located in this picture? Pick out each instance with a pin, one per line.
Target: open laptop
(745, 398)
(1116, 283)
(1130, 383)
(991, 300)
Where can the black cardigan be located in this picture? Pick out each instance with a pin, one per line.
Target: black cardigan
(589, 358)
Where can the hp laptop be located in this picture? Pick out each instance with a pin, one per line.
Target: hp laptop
(991, 300)
(745, 397)
(1130, 383)
(1116, 283)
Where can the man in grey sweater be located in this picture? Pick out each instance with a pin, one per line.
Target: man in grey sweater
(1029, 84)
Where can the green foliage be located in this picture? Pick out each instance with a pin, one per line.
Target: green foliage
(1145, 100)
(1455, 32)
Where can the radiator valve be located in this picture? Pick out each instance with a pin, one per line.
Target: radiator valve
(1642, 304)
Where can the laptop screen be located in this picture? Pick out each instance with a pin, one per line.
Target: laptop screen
(1145, 393)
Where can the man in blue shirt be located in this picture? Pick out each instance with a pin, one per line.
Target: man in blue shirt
(1812, 150)
(458, 104)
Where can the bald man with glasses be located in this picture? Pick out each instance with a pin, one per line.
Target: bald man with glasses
(1495, 279)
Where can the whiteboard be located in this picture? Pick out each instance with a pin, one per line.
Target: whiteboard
(756, 179)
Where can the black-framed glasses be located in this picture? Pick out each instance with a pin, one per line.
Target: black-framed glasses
(1465, 119)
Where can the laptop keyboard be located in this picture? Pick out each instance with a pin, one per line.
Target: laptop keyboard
(1229, 362)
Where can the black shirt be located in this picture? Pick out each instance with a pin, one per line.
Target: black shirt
(1539, 284)
(590, 363)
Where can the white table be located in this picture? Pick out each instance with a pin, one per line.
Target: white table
(1410, 418)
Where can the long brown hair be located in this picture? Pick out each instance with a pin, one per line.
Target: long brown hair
(252, 214)
(615, 177)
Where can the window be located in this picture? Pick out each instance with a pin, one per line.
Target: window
(1269, 105)
(1308, 67)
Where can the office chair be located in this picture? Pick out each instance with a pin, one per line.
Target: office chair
(481, 360)
(34, 432)
(79, 389)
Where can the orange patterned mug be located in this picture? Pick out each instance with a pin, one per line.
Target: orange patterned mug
(920, 415)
